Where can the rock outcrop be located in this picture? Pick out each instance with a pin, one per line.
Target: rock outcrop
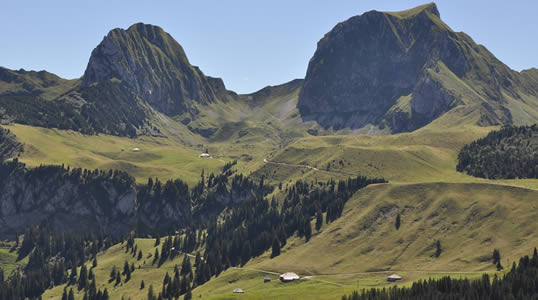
(155, 66)
(9, 146)
(83, 201)
(403, 70)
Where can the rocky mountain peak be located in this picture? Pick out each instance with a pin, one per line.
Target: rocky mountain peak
(401, 70)
(155, 66)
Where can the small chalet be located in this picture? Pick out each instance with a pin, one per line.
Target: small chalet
(204, 155)
(393, 278)
(238, 291)
(288, 277)
(266, 279)
(135, 149)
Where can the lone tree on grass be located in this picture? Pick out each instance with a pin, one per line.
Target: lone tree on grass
(438, 248)
(397, 222)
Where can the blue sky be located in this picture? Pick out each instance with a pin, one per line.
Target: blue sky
(250, 44)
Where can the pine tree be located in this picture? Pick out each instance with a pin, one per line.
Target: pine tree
(142, 285)
(94, 263)
(118, 278)
(397, 222)
(139, 255)
(112, 274)
(307, 230)
(438, 249)
(71, 295)
(157, 241)
(276, 248)
(73, 276)
(64, 294)
(319, 220)
(83, 277)
(151, 294)
(496, 256)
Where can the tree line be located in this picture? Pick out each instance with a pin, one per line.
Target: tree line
(511, 152)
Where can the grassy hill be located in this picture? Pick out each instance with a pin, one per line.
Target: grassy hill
(363, 246)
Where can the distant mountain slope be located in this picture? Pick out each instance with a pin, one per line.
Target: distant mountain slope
(154, 65)
(131, 75)
(403, 70)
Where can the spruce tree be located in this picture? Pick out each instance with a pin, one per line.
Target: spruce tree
(307, 230)
(496, 256)
(71, 295)
(83, 277)
(142, 285)
(397, 222)
(319, 220)
(438, 249)
(276, 248)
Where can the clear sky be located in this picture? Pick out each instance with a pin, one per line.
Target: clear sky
(248, 43)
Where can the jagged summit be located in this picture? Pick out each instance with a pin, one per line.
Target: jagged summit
(151, 62)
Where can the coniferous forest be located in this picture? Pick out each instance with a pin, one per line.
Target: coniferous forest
(511, 152)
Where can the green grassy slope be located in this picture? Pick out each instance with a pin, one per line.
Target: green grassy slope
(425, 155)
(470, 219)
(159, 157)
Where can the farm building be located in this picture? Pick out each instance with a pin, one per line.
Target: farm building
(289, 276)
(266, 279)
(136, 149)
(204, 155)
(394, 278)
(238, 291)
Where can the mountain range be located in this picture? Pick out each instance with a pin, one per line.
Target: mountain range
(380, 72)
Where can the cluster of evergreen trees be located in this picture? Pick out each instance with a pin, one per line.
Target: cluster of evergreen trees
(51, 256)
(258, 225)
(520, 283)
(511, 152)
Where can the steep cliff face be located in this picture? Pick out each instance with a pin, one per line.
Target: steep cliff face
(9, 146)
(404, 70)
(68, 200)
(155, 66)
(97, 201)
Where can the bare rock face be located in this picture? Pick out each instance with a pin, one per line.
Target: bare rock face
(155, 66)
(402, 70)
(76, 201)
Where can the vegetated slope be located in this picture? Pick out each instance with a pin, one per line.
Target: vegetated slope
(469, 220)
(518, 283)
(511, 152)
(403, 70)
(160, 157)
(9, 146)
(426, 155)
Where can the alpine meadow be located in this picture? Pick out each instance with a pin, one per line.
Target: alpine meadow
(403, 165)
